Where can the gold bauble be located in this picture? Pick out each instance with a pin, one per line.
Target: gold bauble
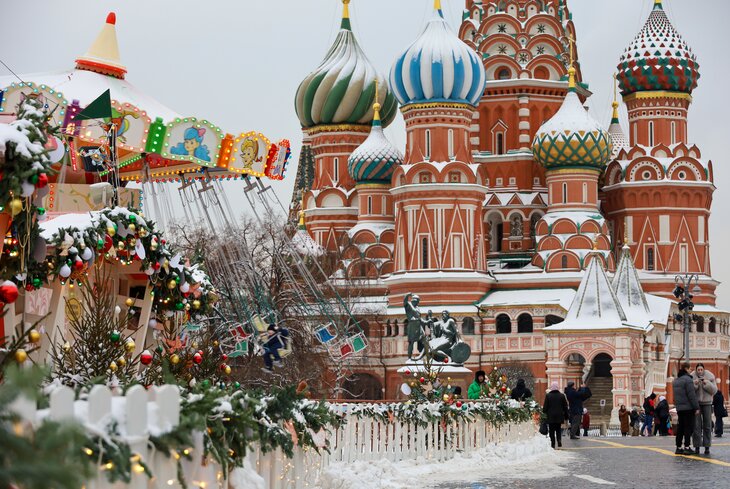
(142, 232)
(174, 359)
(187, 307)
(446, 397)
(113, 366)
(110, 231)
(16, 205)
(215, 343)
(34, 336)
(129, 302)
(66, 346)
(196, 304)
(120, 246)
(20, 355)
(153, 245)
(166, 263)
(227, 370)
(129, 346)
(171, 284)
(121, 362)
(132, 228)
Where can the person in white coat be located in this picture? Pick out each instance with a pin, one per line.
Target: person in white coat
(705, 388)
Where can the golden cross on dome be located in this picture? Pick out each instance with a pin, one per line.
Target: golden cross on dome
(571, 68)
(376, 105)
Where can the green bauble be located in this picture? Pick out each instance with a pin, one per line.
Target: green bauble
(115, 336)
(41, 211)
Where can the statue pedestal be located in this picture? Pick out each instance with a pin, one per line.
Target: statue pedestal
(458, 374)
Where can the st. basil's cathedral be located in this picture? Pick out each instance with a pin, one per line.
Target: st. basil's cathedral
(553, 239)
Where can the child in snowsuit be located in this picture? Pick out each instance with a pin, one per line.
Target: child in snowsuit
(275, 342)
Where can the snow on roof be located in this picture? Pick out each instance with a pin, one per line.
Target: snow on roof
(440, 165)
(454, 309)
(305, 245)
(628, 289)
(707, 308)
(572, 117)
(65, 221)
(376, 228)
(86, 86)
(530, 297)
(578, 217)
(595, 305)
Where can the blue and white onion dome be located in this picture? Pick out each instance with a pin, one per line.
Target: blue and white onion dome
(342, 88)
(438, 67)
(572, 138)
(374, 161)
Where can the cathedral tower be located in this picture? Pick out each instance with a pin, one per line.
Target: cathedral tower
(438, 193)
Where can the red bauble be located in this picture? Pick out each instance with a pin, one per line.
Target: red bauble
(29, 287)
(146, 357)
(224, 357)
(223, 366)
(8, 292)
(446, 360)
(422, 380)
(198, 358)
(79, 265)
(458, 404)
(156, 266)
(42, 180)
(108, 243)
(407, 372)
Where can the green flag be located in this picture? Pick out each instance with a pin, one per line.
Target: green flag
(101, 108)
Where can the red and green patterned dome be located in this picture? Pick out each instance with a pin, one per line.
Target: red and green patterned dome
(658, 59)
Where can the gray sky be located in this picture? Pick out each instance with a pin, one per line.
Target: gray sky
(238, 63)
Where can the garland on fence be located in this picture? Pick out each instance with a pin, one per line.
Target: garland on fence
(124, 236)
(496, 413)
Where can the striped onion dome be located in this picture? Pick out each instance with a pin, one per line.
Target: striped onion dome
(572, 138)
(376, 158)
(438, 67)
(342, 88)
(658, 59)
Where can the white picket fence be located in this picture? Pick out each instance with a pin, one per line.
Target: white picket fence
(141, 413)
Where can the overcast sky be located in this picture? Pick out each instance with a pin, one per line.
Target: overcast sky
(238, 63)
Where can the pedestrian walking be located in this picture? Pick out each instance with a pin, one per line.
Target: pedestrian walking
(705, 388)
(685, 400)
(623, 417)
(662, 416)
(520, 392)
(718, 406)
(476, 389)
(635, 421)
(586, 422)
(555, 408)
(575, 400)
(648, 415)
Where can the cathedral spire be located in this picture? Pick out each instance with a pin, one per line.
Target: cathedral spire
(614, 104)
(658, 5)
(346, 15)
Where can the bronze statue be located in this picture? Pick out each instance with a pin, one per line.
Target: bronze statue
(439, 339)
(416, 328)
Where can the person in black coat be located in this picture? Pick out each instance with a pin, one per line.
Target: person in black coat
(718, 406)
(276, 341)
(521, 392)
(575, 399)
(555, 408)
(661, 411)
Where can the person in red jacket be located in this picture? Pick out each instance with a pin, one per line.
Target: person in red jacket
(585, 422)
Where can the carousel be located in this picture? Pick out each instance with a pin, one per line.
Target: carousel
(115, 158)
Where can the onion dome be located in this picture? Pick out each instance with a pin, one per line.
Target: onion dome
(103, 55)
(375, 159)
(438, 67)
(658, 59)
(342, 88)
(572, 138)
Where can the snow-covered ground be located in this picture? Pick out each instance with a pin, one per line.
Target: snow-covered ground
(533, 457)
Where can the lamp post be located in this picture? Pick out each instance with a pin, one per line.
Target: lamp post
(685, 304)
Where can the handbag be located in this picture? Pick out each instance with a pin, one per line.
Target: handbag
(724, 412)
(544, 428)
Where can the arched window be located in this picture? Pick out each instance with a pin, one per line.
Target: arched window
(499, 143)
(551, 319)
(467, 326)
(388, 329)
(651, 133)
(451, 143)
(524, 323)
(650, 259)
(674, 132)
(712, 325)
(564, 262)
(504, 324)
(585, 193)
(504, 74)
(700, 321)
(541, 73)
(428, 144)
(565, 193)
(370, 204)
(336, 170)
(424, 253)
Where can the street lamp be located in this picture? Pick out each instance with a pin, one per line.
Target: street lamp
(685, 304)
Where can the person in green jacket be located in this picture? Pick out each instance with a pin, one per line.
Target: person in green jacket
(477, 387)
